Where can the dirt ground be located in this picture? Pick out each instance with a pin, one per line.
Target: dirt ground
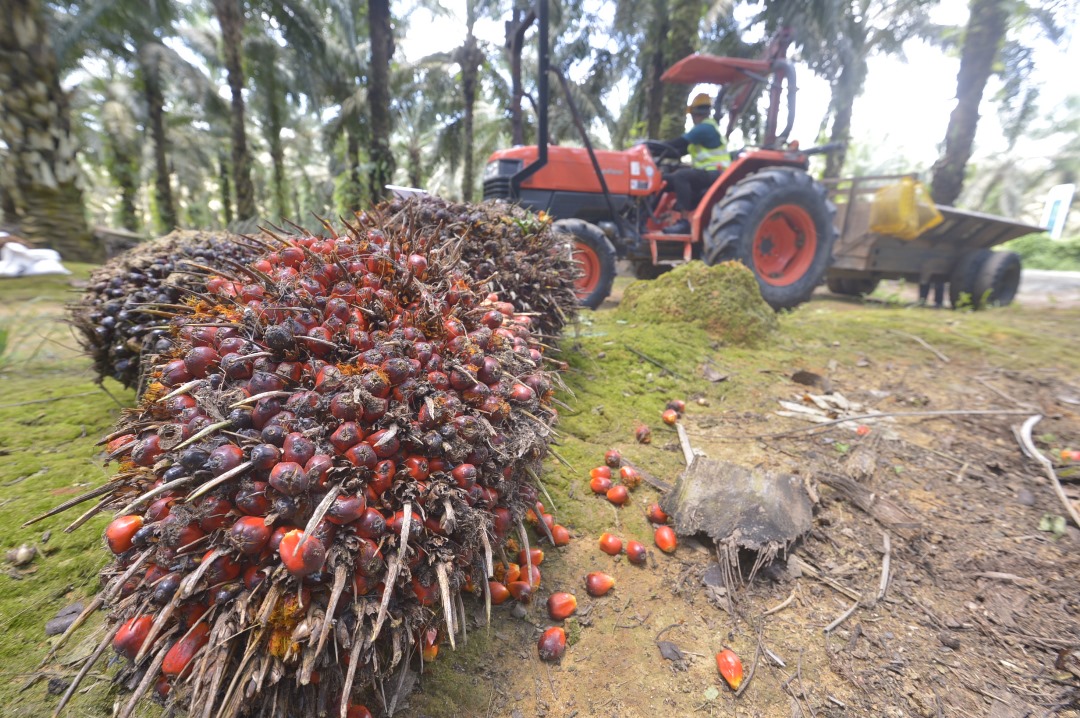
(978, 613)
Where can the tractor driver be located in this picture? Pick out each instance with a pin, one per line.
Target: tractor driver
(705, 145)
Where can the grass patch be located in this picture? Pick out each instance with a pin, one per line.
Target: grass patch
(1038, 251)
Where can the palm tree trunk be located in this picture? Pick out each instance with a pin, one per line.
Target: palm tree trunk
(982, 41)
(38, 178)
(382, 49)
(273, 137)
(515, 35)
(226, 189)
(352, 198)
(847, 86)
(125, 173)
(470, 60)
(155, 109)
(415, 167)
(230, 16)
(682, 40)
(654, 68)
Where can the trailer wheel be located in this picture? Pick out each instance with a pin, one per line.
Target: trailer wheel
(962, 289)
(779, 222)
(998, 279)
(595, 255)
(851, 286)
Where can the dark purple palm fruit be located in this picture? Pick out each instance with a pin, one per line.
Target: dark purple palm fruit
(120, 314)
(512, 252)
(294, 510)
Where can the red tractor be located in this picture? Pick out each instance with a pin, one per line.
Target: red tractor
(764, 210)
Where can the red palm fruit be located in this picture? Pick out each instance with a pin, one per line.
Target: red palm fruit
(224, 458)
(561, 606)
(548, 520)
(301, 559)
(499, 593)
(250, 535)
(178, 658)
(535, 554)
(383, 476)
(129, 639)
(369, 559)
(510, 572)
(670, 417)
(501, 521)
(600, 485)
(264, 456)
(126, 439)
(297, 448)
(346, 436)
(200, 360)
(611, 545)
(613, 458)
(426, 593)
(521, 393)
(215, 513)
(602, 471)
(521, 591)
(162, 686)
(188, 535)
(635, 553)
(417, 467)
(175, 373)
(146, 451)
(253, 576)
(357, 711)
(252, 499)
(385, 446)
(533, 577)
(118, 534)
(560, 535)
(630, 477)
(665, 539)
(643, 434)
(677, 405)
(618, 495)
(290, 478)
(464, 475)
(363, 456)
(597, 584)
(429, 644)
(656, 514)
(159, 510)
(370, 525)
(552, 644)
(346, 509)
(224, 568)
(318, 469)
(730, 668)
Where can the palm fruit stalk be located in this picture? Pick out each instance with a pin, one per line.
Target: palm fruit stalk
(324, 461)
(119, 315)
(509, 250)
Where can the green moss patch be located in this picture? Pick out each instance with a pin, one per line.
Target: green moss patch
(723, 299)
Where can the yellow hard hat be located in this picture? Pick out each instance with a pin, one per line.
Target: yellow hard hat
(701, 100)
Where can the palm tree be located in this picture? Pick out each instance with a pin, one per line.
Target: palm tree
(230, 16)
(381, 35)
(38, 176)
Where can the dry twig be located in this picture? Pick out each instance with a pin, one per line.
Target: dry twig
(1026, 442)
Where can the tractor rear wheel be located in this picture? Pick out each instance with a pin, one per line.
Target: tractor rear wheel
(778, 222)
(595, 255)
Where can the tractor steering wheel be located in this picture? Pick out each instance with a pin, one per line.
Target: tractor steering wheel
(667, 158)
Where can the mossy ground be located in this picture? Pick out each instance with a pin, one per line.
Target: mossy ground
(51, 415)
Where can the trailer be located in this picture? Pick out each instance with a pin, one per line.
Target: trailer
(956, 251)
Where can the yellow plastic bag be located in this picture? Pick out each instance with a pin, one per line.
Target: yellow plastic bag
(903, 210)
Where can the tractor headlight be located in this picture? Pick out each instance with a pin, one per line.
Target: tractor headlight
(502, 168)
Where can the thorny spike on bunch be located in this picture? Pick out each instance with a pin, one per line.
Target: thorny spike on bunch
(116, 316)
(318, 468)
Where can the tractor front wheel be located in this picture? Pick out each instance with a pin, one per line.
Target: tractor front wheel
(778, 222)
(595, 256)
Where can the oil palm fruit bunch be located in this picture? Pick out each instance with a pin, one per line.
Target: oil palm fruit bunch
(118, 315)
(339, 435)
(509, 250)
